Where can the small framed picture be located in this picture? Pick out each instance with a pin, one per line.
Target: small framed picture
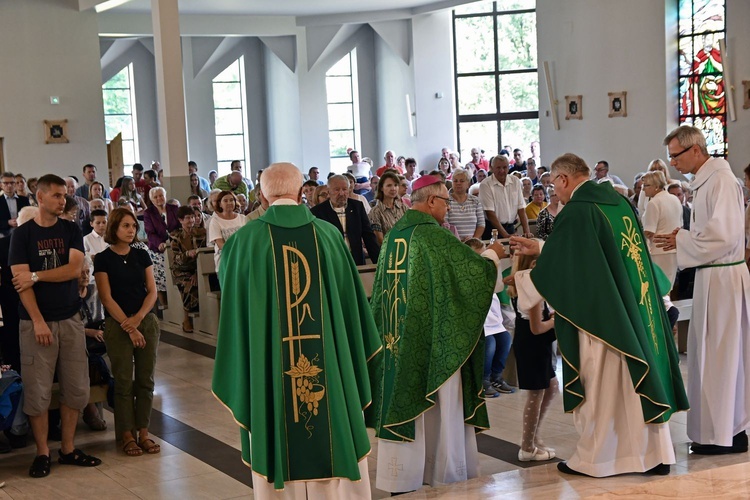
(746, 94)
(618, 106)
(573, 109)
(56, 131)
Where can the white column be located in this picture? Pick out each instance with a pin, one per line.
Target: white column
(170, 98)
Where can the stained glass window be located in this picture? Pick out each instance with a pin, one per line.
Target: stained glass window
(497, 94)
(701, 81)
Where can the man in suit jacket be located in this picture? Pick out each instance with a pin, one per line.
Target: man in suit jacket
(350, 218)
(10, 204)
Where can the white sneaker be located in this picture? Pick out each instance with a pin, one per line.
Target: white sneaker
(535, 456)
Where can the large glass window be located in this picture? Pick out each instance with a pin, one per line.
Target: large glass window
(701, 81)
(230, 118)
(343, 111)
(497, 91)
(119, 113)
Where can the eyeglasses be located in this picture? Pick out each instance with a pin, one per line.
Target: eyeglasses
(446, 200)
(9, 182)
(675, 156)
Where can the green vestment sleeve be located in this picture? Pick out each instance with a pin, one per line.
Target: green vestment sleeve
(597, 275)
(295, 338)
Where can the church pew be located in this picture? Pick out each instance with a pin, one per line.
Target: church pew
(173, 314)
(208, 319)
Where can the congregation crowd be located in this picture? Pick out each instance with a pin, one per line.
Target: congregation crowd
(84, 277)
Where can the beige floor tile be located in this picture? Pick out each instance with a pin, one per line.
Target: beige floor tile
(213, 486)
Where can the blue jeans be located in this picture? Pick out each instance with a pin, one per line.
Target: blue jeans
(496, 349)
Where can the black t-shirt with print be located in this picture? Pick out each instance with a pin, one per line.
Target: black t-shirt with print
(44, 248)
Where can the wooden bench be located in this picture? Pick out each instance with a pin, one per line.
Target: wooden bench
(210, 301)
(174, 313)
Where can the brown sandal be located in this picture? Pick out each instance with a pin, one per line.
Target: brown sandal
(150, 446)
(132, 449)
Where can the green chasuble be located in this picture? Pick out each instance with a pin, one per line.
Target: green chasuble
(430, 298)
(597, 275)
(295, 338)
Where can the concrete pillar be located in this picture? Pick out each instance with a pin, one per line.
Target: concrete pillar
(170, 98)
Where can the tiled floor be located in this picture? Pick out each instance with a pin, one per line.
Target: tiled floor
(200, 457)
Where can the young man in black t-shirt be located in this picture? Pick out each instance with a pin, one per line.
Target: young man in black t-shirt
(46, 257)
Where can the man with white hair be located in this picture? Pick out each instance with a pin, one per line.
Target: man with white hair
(296, 336)
(621, 376)
(390, 164)
(477, 162)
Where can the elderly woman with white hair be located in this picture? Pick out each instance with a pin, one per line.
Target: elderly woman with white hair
(663, 214)
(657, 165)
(466, 211)
(159, 219)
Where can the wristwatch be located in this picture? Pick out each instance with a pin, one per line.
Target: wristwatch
(34, 277)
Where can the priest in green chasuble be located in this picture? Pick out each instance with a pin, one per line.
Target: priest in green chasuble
(296, 336)
(430, 298)
(621, 376)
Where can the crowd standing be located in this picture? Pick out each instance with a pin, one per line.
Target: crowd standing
(394, 216)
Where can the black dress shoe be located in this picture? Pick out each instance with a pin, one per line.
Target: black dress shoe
(739, 443)
(712, 449)
(563, 467)
(4, 447)
(659, 470)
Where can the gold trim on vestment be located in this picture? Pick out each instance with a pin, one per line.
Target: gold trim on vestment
(635, 387)
(231, 412)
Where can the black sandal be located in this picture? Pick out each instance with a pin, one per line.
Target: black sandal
(79, 458)
(41, 466)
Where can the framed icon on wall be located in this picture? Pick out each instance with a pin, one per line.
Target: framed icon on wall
(56, 131)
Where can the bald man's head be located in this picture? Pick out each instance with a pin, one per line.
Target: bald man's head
(281, 180)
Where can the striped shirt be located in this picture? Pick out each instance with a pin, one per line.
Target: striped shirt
(466, 216)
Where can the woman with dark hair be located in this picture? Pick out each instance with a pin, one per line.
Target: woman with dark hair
(159, 220)
(114, 195)
(128, 191)
(389, 207)
(444, 167)
(96, 192)
(195, 187)
(125, 281)
(224, 223)
(185, 244)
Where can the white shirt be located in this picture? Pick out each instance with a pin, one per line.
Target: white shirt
(505, 200)
(663, 214)
(361, 169)
(494, 322)
(93, 244)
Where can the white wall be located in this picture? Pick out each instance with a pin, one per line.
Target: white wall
(738, 40)
(49, 48)
(600, 46)
(433, 73)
